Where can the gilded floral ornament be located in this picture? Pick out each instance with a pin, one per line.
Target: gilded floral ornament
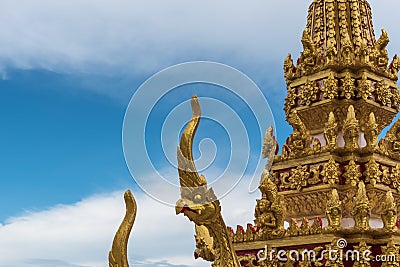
(383, 93)
(331, 172)
(395, 177)
(352, 173)
(333, 258)
(331, 87)
(364, 258)
(391, 253)
(395, 97)
(348, 87)
(365, 88)
(308, 93)
(299, 177)
(372, 172)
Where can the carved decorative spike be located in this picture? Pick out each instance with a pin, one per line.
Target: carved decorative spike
(334, 212)
(371, 132)
(118, 256)
(199, 203)
(270, 148)
(390, 145)
(389, 214)
(351, 130)
(362, 209)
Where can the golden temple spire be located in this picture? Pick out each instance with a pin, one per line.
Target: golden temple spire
(342, 60)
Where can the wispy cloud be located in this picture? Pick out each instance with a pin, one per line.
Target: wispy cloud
(80, 235)
(93, 36)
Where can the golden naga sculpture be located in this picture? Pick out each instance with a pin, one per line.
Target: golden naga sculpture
(334, 212)
(199, 203)
(118, 256)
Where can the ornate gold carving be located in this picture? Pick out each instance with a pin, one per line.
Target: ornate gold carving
(334, 212)
(331, 87)
(395, 177)
(371, 132)
(299, 177)
(290, 100)
(199, 203)
(309, 57)
(316, 227)
(389, 214)
(333, 259)
(347, 50)
(391, 253)
(118, 256)
(270, 147)
(390, 145)
(250, 233)
(308, 93)
(331, 172)
(305, 227)
(239, 235)
(299, 142)
(364, 260)
(351, 130)
(348, 87)
(362, 209)
(372, 172)
(383, 93)
(288, 68)
(395, 97)
(365, 88)
(394, 68)
(331, 132)
(269, 213)
(293, 229)
(352, 173)
(204, 244)
(379, 55)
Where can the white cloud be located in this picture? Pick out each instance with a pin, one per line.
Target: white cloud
(81, 234)
(93, 35)
(141, 37)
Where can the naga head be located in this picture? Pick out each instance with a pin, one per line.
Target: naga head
(197, 202)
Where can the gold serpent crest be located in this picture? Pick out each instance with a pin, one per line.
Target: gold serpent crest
(199, 203)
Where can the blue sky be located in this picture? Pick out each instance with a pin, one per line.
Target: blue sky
(68, 71)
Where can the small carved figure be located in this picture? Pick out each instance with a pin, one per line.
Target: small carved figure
(389, 214)
(331, 132)
(371, 132)
(334, 212)
(362, 209)
(351, 130)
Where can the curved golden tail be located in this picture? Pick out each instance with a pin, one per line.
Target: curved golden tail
(118, 256)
